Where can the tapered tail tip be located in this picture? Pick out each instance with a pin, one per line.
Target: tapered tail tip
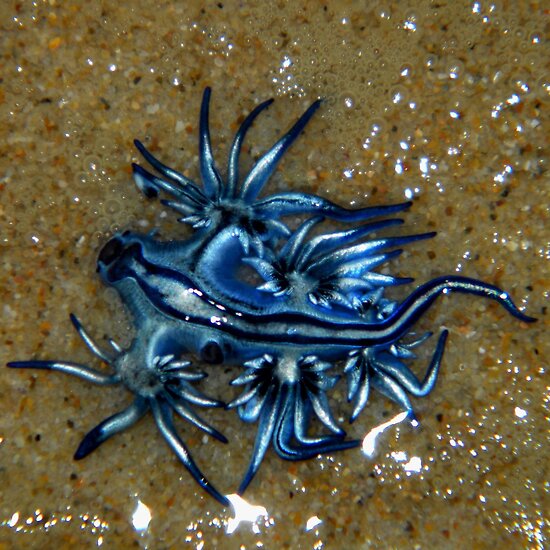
(26, 364)
(83, 451)
(79, 455)
(92, 440)
(219, 436)
(75, 321)
(527, 318)
(222, 499)
(245, 483)
(515, 311)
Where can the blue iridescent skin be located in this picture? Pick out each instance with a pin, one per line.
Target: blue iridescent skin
(316, 303)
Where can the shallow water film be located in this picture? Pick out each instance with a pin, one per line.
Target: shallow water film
(444, 104)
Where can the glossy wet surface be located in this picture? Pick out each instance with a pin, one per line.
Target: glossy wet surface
(445, 106)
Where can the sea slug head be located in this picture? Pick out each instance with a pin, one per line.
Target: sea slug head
(120, 256)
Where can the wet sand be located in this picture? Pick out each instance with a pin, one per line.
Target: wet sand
(446, 105)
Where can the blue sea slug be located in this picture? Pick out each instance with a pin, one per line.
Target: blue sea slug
(311, 309)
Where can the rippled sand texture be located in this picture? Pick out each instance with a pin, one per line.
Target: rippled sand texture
(445, 103)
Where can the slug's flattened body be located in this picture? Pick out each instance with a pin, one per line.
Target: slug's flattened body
(319, 303)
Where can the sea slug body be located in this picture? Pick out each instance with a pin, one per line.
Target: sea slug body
(315, 311)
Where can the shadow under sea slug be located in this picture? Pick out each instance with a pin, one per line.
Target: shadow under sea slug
(319, 313)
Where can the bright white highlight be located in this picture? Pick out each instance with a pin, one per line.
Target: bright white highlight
(313, 522)
(141, 517)
(369, 442)
(245, 513)
(414, 465)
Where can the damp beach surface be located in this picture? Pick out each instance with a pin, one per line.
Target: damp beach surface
(445, 105)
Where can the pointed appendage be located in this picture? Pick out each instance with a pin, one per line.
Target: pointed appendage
(408, 380)
(264, 168)
(291, 203)
(211, 178)
(283, 424)
(385, 372)
(111, 426)
(291, 426)
(163, 418)
(80, 371)
(89, 341)
(269, 416)
(233, 163)
(190, 416)
(162, 168)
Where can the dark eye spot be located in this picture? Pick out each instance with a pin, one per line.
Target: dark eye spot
(111, 251)
(212, 354)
